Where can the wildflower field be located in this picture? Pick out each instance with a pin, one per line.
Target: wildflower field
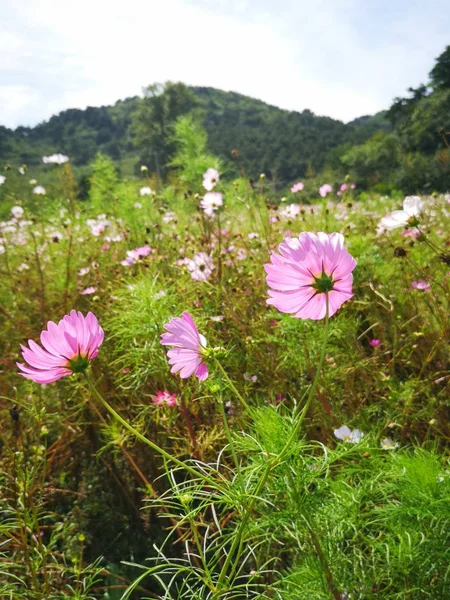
(214, 389)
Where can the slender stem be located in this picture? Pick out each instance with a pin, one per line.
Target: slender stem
(142, 438)
(314, 383)
(230, 439)
(232, 386)
(237, 542)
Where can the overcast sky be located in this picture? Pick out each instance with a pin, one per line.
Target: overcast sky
(342, 58)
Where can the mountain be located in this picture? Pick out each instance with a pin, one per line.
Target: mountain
(283, 144)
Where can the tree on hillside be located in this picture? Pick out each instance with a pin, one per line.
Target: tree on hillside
(154, 118)
(440, 74)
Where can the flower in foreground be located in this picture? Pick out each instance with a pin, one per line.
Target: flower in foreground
(400, 218)
(351, 436)
(421, 285)
(307, 270)
(188, 347)
(211, 202)
(68, 347)
(210, 178)
(164, 399)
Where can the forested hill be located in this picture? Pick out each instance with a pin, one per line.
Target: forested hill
(284, 144)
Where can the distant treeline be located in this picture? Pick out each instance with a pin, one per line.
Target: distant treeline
(405, 146)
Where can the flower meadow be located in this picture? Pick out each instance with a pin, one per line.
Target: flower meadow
(213, 389)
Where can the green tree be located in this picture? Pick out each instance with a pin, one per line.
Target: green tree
(440, 74)
(154, 118)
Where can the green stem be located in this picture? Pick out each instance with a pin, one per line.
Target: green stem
(142, 438)
(232, 386)
(230, 440)
(314, 383)
(237, 542)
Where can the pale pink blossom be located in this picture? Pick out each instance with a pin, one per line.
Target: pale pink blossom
(201, 266)
(188, 347)
(307, 270)
(388, 444)
(89, 290)
(68, 347)
(297, 187)
(412, 207)
(210, 179)
(290, 211)
(325, 189)
(211, 202)
(421, 285)
(352, 436)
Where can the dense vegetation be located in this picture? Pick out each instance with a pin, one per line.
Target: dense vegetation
(135, 483)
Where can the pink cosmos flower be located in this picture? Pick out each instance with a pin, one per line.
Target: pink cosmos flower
(188, 346)
(68, 347)
(306, 270)
(297, 187)
(164, 399)
(88, 290)
(325, 189)
(421, 285)
(210, 178)
(375, 343)
(344, 187)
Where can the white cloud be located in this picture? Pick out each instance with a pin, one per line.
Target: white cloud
(330, 57)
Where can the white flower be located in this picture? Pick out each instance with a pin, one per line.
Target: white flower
(2, 179)
(388, 444)
(344, 433)
(33, 181)
(39, 190)
(211, 202)
(210, 178)
(290, 211)
(201, 266)
(23, 267)
(144, 169)
(17, 212)
(21, 170)
(57, 159)
(137, 205)
(169, 216)
(412, 206)
(145, 191)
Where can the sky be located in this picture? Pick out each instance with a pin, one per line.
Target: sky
(339, 58)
